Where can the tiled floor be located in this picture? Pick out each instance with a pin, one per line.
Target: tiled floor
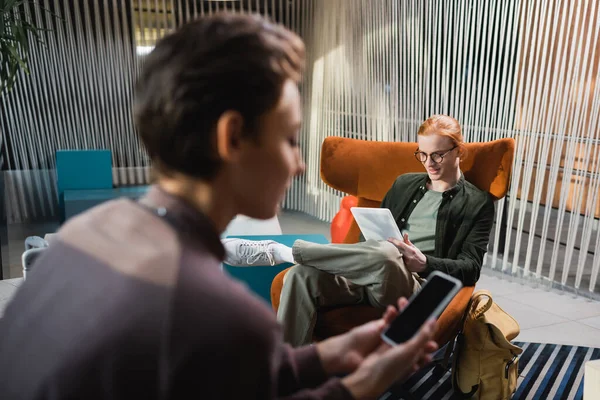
(544, 315)
(8, 288)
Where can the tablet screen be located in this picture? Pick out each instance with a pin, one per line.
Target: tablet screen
(376, 223)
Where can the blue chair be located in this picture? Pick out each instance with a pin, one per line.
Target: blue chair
(80, 170)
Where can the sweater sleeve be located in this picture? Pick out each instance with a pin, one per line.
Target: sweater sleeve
(330, 390)
(467, 266)
(301, 376)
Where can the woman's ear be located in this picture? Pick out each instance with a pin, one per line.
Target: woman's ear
(229, 131)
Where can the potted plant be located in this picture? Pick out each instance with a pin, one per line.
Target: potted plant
(16, 31)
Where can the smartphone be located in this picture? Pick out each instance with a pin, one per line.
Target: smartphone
(427, 303)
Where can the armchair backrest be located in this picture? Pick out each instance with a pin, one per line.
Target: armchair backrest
(367, 169)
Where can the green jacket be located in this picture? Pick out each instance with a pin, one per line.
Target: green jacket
(463, 227)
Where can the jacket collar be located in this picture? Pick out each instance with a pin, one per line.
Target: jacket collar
(185, 219)
(450, 192)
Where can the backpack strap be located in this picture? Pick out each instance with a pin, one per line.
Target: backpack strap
(458, 346)
(452, 347)
(479, 311)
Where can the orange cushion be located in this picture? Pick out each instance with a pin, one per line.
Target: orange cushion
(367, 169)
(343, 219)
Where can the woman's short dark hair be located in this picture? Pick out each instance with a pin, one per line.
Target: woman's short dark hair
(209, 66)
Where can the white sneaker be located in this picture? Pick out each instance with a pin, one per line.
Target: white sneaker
(247, 253)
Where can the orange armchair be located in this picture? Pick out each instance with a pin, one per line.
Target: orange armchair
(366, 170)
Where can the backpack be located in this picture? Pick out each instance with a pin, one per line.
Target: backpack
(485, 363)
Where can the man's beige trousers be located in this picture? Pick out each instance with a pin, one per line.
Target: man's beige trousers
(370, 272)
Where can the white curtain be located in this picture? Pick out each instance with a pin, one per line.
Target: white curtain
(526, 70)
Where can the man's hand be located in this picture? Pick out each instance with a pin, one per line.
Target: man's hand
(414, 260)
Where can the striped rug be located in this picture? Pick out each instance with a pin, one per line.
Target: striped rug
(546, 371)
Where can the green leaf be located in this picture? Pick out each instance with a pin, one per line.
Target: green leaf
(17, 57)
(8, 4)
(16, 33)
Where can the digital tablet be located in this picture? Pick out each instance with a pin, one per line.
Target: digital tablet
(376, 223)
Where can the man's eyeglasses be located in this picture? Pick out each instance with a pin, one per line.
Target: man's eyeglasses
(435, 157)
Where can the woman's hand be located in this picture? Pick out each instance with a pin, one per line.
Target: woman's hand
(344, 353)
(390, 364)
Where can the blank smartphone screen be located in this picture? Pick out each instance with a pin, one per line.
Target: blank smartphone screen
(406, 325)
